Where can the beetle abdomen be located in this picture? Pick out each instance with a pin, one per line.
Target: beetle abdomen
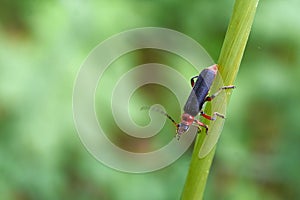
(199, 92)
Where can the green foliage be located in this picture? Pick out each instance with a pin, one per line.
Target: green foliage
(43, 44)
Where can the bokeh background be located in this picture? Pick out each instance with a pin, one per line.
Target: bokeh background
(43, 44)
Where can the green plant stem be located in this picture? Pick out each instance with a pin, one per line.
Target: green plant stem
(229, 62)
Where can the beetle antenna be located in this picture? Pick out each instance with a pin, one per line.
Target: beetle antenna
(161, 112)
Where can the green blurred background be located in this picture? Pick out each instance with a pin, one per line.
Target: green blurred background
(43, 44)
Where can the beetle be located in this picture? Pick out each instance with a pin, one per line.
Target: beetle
(196, 100)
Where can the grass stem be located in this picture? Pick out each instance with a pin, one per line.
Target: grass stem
(229, 61)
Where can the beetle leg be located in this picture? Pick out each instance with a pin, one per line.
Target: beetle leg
(213, 117)
(209, 98)
(202, 125)
(193, 80)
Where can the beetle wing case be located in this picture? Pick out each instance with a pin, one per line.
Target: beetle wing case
(199, 92)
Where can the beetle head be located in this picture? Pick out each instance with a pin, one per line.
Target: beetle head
(181, 129)
(184, 125)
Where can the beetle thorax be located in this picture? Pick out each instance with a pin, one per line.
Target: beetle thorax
(187, 119)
